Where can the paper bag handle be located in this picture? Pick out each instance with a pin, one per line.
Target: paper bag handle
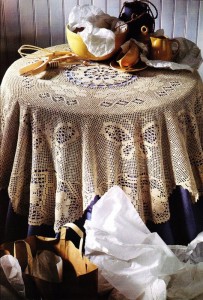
(29, 267)
(76, 229)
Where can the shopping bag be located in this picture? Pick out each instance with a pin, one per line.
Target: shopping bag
(79, 275)
(34, 272)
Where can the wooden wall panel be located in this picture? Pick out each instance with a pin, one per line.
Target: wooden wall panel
(192, 20)
(68, 5)
(200, 27)
(57, 28)
(42, 22)
(200, 33)
(158, 5)
(12, 28)
(113, 8)
(100, 4)
(167, 17)
(82, 2)
(3, 48)
(180, 18)
(27, 22)
(41, 17)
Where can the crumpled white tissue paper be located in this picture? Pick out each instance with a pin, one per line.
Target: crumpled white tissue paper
(133, 260)
(98, 29)
(44, 258)
(13, 273)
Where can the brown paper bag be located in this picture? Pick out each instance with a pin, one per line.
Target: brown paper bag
(80, 276)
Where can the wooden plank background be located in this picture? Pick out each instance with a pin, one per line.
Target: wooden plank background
(42, 22)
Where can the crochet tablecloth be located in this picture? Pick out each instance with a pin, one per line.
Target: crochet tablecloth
(72, 132)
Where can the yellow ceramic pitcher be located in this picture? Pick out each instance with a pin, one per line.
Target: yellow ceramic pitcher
(162, 48)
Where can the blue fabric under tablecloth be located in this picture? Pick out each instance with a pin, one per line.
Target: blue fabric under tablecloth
(186, 220)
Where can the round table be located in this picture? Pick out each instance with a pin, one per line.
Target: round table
(75, 131)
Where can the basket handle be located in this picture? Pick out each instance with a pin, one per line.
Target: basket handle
(156, 10)
(146, 1)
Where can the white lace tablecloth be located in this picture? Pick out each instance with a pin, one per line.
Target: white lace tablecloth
(73, 132)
